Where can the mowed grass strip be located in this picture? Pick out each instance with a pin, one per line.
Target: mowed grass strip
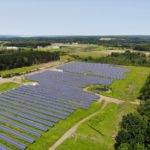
(18, 71)
(49, 138)
(7, 86)
(28, 69)
(99, 132)
(129, 88)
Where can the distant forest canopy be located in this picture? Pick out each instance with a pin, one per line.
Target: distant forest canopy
(126, 58)
(15, 59)
(29, 44)
(141, 43)
(142, 47)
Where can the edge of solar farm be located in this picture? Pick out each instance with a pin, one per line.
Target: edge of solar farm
(34, 109)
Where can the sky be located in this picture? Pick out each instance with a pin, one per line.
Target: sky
(74, 17)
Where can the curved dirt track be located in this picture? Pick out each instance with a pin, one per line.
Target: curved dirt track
(73, 129)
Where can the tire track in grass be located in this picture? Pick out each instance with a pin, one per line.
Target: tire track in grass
(73, 129)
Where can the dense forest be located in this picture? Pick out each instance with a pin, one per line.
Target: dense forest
(14, 59)
(126, 58)
(135, 127)
(54, 39)
(142, 47)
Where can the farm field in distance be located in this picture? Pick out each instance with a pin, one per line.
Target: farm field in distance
(72, 96)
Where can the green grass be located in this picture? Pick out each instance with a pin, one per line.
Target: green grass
(28, 69)
(93, 54)
(54, 133)
(7, 86)
(18, 71)
(129, 87)
(94, 51)
(98, 133)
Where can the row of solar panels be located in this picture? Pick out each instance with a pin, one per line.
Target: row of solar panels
(28, 111)
(12, 103)
(103, 70)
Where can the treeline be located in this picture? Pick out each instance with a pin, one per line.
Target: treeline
(110, 41)
(54, 39)
(135, 127)
(25, 58)
(28, 44)
(143, 47)
(131, 42)
(126, 58)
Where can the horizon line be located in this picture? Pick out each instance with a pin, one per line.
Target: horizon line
(67, 35)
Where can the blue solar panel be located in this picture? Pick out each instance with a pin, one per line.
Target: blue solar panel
(19, 135)
(18, 145)
(34, 109)
(3, 147)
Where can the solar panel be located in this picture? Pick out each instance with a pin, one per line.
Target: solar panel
(19, 145)
(34, 109)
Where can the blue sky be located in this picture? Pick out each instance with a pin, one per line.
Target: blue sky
(74, 17)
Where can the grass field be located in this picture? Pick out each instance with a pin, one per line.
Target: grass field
(93, 54)
(98, 133)
(7, 86)
(54, 133)
(90, 48)
(18, 71)
(128, 88)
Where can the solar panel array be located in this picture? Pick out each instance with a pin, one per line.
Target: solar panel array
(26, 112)
(103, 70)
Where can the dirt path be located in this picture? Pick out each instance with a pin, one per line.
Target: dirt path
(117, 101)
(73, 129)
(112, 100)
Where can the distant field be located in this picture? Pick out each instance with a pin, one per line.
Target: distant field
(98, 133)
(87, 48)
(94, 54)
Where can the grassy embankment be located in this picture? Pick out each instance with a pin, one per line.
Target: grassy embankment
(18, 71)
(25, 70)
(7, 86)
